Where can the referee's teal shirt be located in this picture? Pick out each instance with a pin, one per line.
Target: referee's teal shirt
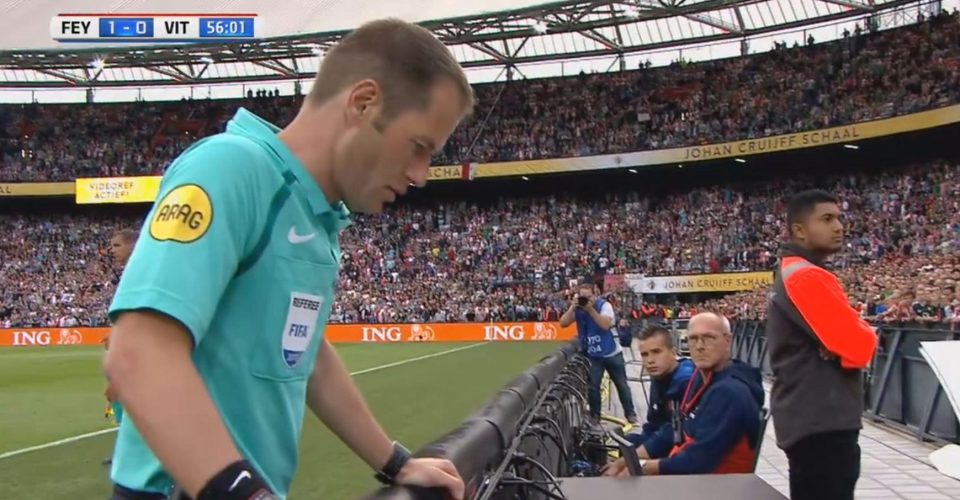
(242, 248)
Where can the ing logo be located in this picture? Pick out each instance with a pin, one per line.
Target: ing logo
(421, 333)
(70, 337)
(544, 331)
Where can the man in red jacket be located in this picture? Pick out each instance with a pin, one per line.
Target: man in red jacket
(818, 349)
(716, 426)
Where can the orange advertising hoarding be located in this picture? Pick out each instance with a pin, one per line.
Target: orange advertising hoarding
(338, 334)
(26, 337)
(450, 332)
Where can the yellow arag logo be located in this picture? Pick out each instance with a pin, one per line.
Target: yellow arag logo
(183, 215)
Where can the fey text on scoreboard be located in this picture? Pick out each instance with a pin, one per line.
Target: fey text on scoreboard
(153, 27)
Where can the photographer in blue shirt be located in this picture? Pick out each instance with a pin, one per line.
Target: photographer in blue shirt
(595, 320)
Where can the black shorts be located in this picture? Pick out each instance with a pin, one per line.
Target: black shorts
(122, 493)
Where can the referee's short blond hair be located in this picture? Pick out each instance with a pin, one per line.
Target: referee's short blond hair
(126, 235)
(403, 58)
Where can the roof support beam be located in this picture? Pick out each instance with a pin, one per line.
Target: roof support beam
(170, 71)
(187, 76)
(702, 18)
(616, 29)
(602, 40)
(61, 75)
(853, 4)
(493, 34)
(713, 21)
(736, 10)
(519, 48)
(490, 51)
(277, 66)
(575, 17)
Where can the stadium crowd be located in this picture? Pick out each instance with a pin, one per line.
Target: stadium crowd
(898, 288)
(861, 77)
(515, 259)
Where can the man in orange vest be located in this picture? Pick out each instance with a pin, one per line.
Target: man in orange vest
(716, 428)
(819, 347)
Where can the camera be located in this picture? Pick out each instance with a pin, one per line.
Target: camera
(582, 301)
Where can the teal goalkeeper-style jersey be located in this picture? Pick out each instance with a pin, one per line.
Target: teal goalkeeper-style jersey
(241, 248)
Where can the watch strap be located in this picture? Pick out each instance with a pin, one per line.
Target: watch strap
(394, 465)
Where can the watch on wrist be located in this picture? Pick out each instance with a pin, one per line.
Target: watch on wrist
(388, 474)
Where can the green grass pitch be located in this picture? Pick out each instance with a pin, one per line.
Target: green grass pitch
(49, 394)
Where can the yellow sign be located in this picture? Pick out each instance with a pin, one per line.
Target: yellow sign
(36, 189)
(839, 135)
(447, 173)
(183, 215)
(737, 149)
(117, 190)
(145, 189)
(722, 282)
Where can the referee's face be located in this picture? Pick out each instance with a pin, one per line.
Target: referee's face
(120, 249)
(384, 160)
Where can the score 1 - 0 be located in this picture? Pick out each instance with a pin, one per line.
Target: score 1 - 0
(126, 27)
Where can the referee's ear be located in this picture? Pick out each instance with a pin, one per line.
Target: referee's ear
(364, 103)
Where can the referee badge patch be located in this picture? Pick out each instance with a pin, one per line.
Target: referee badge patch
(183, 215)
(300, 326)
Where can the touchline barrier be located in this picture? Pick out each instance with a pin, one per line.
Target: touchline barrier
(536, 428)
(901, 389)
(521, 440)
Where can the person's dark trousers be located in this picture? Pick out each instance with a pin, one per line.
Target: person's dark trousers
(121, 493)
(825, 466)
(615, 366)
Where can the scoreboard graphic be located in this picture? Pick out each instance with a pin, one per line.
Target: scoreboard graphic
(152, 28)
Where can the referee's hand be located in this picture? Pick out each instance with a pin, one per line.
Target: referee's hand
(432, 473)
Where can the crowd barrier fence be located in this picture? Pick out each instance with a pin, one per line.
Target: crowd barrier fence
(901, 390)
(520, 440)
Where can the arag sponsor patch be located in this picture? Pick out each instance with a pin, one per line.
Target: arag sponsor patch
(184, 215)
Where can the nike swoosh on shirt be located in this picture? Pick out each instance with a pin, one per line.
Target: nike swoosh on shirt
(296, 239)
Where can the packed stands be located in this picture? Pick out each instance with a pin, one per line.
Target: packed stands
(896, 288)
(56, 270)
(856, 79)
(513, 259)
(861, 77)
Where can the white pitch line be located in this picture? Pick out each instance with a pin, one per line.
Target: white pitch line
(358, 372)
(56, 443)
(418, 358)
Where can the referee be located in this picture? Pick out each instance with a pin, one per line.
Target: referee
(121, 246)
(218, 345)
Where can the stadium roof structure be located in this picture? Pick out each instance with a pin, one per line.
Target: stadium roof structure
(492, 33)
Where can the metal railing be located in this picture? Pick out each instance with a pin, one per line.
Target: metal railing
(901, 389)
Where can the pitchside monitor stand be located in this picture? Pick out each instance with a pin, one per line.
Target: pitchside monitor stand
(629, 454)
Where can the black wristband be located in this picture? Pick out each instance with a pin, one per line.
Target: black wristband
(237, 481)
(399, 458)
